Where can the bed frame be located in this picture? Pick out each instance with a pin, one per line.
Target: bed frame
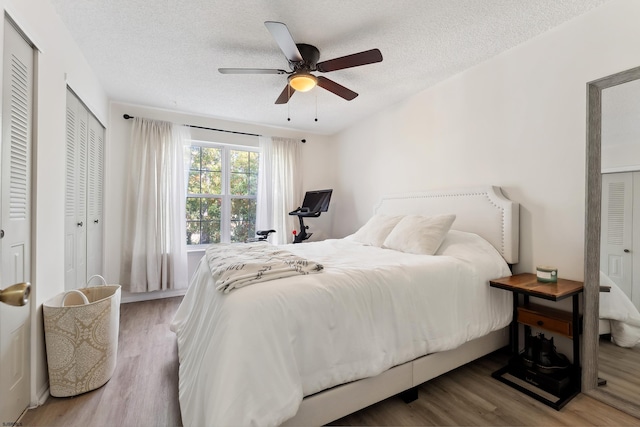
(484, 211)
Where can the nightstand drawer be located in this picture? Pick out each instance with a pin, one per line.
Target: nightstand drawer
(552, 320)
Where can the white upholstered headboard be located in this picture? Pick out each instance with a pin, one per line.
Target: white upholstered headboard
(484, 211)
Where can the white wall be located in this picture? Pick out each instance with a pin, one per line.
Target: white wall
(517, 121)
(318, 167)
(58, 63)
(621, 127)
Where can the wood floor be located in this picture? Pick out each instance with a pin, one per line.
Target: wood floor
(620, 367)
(144, 390)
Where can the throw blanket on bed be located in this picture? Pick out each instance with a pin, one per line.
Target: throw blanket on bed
(234, 265)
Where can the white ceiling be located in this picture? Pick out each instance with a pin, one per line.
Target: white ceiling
(165, 53)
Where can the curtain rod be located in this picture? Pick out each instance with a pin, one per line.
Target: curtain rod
(127, 117)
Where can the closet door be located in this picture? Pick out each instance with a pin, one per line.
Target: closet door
(70, 194)
(95, 172)
(83, 194)
(616, 255)
(75, 194)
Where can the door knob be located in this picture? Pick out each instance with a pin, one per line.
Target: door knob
(626, 251)
(16, 295)
(80, 224)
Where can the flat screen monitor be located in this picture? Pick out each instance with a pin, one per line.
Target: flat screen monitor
(317, 201)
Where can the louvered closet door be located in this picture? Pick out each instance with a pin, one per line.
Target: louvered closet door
(83, 194)
(15, 220)
(76, 194)
(616, 255)
(70, 194)
(95, 187)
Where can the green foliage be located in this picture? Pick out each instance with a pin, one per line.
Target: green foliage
(203, 220)
(243, 219)
(243, 166)
(205, 195)
(205, 173)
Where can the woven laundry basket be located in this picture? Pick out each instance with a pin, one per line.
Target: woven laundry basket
(81, 336)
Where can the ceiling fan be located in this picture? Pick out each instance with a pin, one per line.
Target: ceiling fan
(303, 59)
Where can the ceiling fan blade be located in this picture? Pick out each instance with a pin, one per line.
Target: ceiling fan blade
(251, 71)
(286, 94)
(281, 34)
(336, 88)
(349, 61)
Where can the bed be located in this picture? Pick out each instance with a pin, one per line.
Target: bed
(619, 317)
(375, 322)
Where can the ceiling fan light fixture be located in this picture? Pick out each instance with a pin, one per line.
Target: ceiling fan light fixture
(303, 82)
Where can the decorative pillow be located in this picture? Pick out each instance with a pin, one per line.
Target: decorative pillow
(376, 230)
(420, 235)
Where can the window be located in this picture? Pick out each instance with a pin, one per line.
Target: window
(221, 193)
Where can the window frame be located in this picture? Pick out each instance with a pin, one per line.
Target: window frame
(226, 196)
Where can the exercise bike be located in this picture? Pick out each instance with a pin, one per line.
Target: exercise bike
(314, 203)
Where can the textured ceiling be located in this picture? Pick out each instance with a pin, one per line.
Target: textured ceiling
(165, 53)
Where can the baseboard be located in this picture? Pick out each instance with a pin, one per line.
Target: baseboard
(42, 396)
(147, 296)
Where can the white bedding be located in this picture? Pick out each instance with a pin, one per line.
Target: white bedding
(624, 317)
(249, 357)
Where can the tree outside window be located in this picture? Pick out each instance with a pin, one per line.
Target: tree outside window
(221, 194)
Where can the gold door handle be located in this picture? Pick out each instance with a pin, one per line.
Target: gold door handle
(16, 295)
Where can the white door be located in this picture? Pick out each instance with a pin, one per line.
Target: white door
(15, 220)
(95, 187)
(616, 255)
(76, 194)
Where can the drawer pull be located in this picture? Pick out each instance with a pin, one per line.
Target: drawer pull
(540, 323)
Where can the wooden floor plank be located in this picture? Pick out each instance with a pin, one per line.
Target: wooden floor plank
(144, 390)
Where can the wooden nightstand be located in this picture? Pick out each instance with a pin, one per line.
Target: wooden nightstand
(553, 390)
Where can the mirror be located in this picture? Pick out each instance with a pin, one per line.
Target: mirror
(611, 101)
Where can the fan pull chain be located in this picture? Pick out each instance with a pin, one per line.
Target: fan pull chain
(316, 119)
(288, 103)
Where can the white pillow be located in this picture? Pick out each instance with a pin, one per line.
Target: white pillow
(420, 235)
(376, 230)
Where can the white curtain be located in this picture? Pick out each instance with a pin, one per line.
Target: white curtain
(279, 187)
(154, 242)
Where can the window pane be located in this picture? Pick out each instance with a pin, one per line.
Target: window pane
(193, 232)
(194, 182)
(211, 182)
(211, 159)
(244, 170)
(194, 157)
(203, 220)
(193, 209)
(254, 160)
(243, 219)
(239, 184)
(210, 232)
(211, 209)
(203, 232)
(239, 161)
(205, 173)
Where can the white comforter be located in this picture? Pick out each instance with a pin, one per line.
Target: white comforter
(249, 357)
(616, 306)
